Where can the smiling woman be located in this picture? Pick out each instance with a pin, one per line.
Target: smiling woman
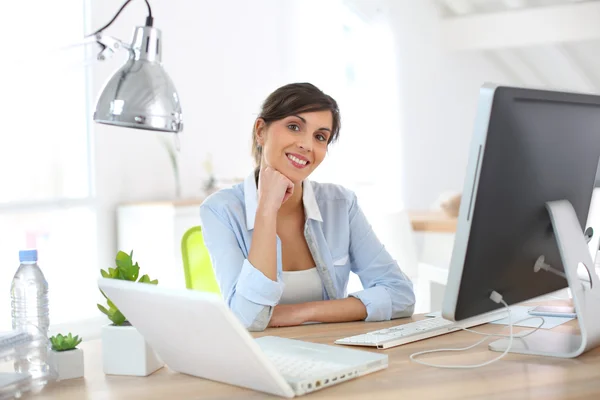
(283, 247)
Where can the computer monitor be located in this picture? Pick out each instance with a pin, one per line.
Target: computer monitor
(534, 154)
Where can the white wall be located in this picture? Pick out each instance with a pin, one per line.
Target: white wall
(224, 57)
(439, 96)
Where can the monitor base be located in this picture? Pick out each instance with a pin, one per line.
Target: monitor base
(542, 343)
(573, 251)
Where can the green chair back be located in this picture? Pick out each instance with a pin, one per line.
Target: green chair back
(199, 274)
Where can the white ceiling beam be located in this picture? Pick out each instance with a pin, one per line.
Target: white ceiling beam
(525, 27)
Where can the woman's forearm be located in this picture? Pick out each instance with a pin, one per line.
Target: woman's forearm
(263, 250)
(342, 310)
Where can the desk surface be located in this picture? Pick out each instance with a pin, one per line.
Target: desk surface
(432, 221)
(513, 377)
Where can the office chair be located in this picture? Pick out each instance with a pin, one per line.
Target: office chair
(197, 268)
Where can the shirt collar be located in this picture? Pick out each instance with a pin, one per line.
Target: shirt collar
(311, 208)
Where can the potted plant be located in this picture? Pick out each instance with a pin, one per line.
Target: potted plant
(124, 350)
(65, 359)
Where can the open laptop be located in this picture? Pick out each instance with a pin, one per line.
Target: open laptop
(195, 333)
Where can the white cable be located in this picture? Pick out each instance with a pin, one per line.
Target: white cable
(514, 323)
(497, 298)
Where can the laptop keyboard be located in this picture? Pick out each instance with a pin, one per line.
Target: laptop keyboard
(292, 366)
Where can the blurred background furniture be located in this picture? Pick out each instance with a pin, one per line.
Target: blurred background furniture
(432, 221)
(154, 231)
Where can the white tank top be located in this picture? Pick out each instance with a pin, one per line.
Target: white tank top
(301, 286)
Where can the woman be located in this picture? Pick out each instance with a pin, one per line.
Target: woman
(282, 247)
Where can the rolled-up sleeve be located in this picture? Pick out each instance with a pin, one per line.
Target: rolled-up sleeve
(253, 285)
(388, 292)
(246, 290)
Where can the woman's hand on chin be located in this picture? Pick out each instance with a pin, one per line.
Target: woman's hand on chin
(274, 189)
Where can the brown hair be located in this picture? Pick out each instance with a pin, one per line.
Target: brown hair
(293, 99)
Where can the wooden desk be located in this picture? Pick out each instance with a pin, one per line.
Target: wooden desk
(513, 377)
(432, 221)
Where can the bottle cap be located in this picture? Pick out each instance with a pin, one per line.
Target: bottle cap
(28, 255)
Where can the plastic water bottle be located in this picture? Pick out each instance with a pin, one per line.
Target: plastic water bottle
(29, 294)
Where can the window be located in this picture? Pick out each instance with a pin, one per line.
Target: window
(46, 196)
(352, 57)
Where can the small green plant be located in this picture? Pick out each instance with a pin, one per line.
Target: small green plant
(125, 270)
(64, 343)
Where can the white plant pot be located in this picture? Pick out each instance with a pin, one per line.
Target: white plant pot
(66, 364)
(125, 352)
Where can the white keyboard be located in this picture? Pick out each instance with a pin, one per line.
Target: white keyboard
(414, 331)
(291, 366)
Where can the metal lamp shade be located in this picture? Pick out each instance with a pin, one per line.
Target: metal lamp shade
(140, 94)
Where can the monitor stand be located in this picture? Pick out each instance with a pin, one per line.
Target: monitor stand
(573, 251)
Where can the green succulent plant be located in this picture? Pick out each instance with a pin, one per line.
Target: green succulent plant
(64, 343)
(125, 270)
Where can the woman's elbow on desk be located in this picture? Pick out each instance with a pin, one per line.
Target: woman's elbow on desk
(254, 317)
(402, 297)
(405, 312)
(259, 323)
(403, 303)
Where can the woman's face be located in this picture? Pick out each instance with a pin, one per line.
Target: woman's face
(297, 144)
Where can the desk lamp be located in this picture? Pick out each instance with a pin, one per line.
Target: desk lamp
(140, 94)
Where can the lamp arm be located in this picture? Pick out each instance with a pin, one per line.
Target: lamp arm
(109, 45)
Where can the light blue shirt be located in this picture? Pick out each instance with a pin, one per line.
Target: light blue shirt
(339, 238)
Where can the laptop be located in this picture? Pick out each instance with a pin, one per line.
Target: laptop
(195, 333)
